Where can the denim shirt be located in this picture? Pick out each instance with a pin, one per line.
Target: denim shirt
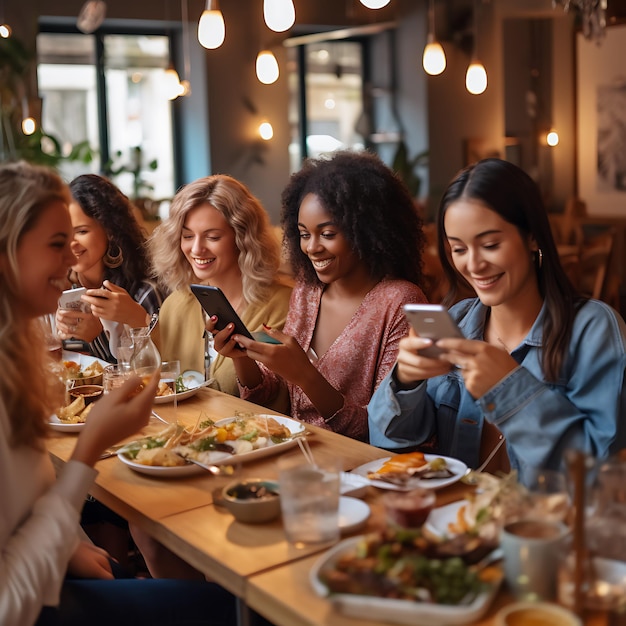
(540, 420)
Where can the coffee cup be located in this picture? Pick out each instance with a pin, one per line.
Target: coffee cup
(532, 551)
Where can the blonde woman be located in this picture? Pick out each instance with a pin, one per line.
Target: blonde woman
(40, 513)
(217, 233)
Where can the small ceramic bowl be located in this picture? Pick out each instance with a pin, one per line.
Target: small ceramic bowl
(89, 392)
(252, 501)
(80, 381)
(544, 613)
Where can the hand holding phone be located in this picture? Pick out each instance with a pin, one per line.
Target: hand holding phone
(70, 300)
(431, 321)
(214, 302)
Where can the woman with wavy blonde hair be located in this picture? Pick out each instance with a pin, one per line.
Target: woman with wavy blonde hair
(219, 234)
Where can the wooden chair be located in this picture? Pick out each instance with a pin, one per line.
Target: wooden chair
(594, 266)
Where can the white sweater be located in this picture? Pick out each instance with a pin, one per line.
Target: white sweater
(39, 527)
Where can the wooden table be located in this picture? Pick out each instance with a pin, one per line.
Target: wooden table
(255, 563)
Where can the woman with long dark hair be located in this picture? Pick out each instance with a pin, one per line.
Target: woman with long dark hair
(539, 362)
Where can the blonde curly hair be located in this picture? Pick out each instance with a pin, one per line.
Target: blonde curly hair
(25, 191)
(259, 253)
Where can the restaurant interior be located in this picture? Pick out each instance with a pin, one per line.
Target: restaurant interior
(140, 91)
(348, 76)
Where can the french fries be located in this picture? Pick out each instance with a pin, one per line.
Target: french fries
(75, 412)
(460, 526)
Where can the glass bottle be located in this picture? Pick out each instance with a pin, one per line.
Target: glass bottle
(145, 359)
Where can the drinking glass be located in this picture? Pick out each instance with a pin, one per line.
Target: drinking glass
(53, 341)
(114, 376)
(145, 359)
(170, 371)
(309, 500)
(549, 495)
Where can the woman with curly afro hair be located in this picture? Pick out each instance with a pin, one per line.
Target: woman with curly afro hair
(112, 263)
(354, 240)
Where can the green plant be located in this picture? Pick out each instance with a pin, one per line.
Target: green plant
(406, 167)
(135, 167)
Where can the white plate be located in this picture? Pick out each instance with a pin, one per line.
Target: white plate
(84, 360)
(180, 396)
(458, 469)
(353, 485)
(353, 514)
(439, 518)
(179, 471)
(56, 424)
(219, 457)
(395, 611)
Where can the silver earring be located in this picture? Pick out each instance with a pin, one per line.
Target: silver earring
(539, 258)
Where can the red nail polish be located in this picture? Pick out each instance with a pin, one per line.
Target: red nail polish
(267, 327)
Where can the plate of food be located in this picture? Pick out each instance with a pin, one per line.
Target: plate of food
(237, 439)
(360, 576)
(187, 386)
(404, 472)
(71, 418)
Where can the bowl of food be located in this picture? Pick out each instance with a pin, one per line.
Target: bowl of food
(89, 392)
(89, 375)
(252, 501)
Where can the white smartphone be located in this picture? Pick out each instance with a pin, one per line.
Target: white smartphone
(70, 300)
(431, 321)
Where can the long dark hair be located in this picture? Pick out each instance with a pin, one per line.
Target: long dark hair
(370, 205)
(101, 200)
(512, 194)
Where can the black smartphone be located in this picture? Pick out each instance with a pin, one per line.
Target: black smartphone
(431, 321)
(214, 302)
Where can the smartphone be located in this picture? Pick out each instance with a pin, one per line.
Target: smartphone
(431, 321)
(70, 300)
(214, 302)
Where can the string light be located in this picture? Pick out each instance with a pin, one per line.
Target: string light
(434, 58)
(279, 15)
(171, 83)
(267, 67)
(211, 28)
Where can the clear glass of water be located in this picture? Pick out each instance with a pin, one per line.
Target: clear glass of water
(170, 372)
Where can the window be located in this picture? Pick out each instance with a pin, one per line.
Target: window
(327, 109)
(106, 89)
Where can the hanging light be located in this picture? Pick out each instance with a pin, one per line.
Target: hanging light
(171, 83)
(266, 131)
(476, 78)
(5, 31)
(185, 85)
(91, 16)
(375, 4)
(476, 75)
(211, 28)
(28, 122)
(267, 67)
(279, 15)
(434, 58)
(552, 138)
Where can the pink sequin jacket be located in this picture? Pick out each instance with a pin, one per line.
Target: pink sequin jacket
(356, 362)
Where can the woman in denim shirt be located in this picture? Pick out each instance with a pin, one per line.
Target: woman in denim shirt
(541, 363)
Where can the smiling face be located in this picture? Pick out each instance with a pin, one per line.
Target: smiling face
(323, 242)
(208, 243)
(89, 245)
(44, 256)
(491, 255)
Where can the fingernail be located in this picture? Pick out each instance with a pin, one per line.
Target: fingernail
(213, 318)
(267, 327)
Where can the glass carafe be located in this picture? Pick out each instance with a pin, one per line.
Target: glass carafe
(145, 359)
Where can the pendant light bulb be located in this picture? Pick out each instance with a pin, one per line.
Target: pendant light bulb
(267, 67)
(266, 131)
(211, 28)
(28, 125)
(375, 4)
(171, 83)
(552, 138)
(279, 15)
(5, 31)
(434, 59)
(476, 78)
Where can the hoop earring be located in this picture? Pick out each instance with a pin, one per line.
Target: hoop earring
(113, 260)
(539, 258)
